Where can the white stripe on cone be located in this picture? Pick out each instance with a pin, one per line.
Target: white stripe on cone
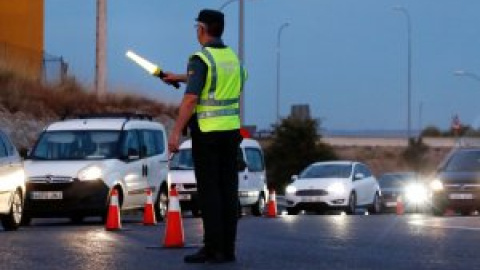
(174, 205)
(114, 200)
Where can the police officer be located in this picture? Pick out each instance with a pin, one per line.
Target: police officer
(210, 107)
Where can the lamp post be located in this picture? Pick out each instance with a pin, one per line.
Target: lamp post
(404, 11)
(279, 35)
(241, 42)
(467, 74)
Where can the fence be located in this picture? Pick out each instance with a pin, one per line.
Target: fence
(33, 63)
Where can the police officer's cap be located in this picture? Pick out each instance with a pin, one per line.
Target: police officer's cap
(211, 17)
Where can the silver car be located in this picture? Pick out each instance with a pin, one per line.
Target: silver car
(12, 184)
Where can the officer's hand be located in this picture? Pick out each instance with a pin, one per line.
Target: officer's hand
(173, 142)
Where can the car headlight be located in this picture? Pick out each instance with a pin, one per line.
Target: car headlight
(416, 193)
(290, 189)
(90, 173)
(436, 185)
(336, 188)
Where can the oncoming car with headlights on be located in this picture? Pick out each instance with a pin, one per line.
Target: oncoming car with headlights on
(404, 187)
(77, 163)
(334, 185)
(457, 182)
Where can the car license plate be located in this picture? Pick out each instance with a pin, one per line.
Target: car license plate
(184, 197)
(391, 204)
(461, 196)
(311, 199)
(46, 195)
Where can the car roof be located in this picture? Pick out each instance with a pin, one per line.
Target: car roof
(336, 162)
(102, 124)
(245, 143)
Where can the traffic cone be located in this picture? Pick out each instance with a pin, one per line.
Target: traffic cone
(400, 209)
(148, 211)
(113, 215)
(272, 205)
(174, 228)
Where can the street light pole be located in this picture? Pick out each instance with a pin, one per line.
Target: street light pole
(279, 35)
(241, 49)
(404, 11)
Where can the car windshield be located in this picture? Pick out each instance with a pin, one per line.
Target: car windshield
(327, 171)
(395, 180)
(464, 161)
(182, 160)
(76, 145)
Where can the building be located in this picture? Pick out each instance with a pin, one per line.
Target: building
(21, 36)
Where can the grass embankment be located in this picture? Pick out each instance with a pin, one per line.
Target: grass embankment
(27, 105)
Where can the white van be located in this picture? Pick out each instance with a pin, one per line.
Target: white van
(76, 163)
(252, 188)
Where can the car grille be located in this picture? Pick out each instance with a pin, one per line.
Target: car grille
(389, 196)
(311, 192)
(462, 187)
(50, 179)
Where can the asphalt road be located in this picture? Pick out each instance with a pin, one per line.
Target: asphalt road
(288, 242)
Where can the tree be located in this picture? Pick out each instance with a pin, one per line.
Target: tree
(431, 131)
(295, 145)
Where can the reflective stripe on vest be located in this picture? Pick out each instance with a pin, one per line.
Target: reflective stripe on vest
(218, 105)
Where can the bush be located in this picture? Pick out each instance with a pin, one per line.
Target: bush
(295, 145)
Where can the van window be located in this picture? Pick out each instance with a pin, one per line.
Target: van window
(159, 141)
(8, 144)
(150, 145)
(131, 144)
(254, 159)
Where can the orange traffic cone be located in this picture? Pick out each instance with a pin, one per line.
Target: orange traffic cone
(174, 227)
(113, 215)
(148, 211)
(400, 209)
(272, 205)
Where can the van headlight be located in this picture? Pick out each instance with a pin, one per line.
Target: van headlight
(436, 185)
(336, 188)
(290, 189)
(93, 172)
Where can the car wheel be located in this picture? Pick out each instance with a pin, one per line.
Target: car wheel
(376, 206)
(161, 205)
(438, 211)
(259, 207)
(352, 204)
(12, 220)
(292, 211)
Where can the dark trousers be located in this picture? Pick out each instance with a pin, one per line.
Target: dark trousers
(215, 158)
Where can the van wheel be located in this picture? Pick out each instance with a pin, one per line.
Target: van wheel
(161, 205)
(259, 207)
(12, 220)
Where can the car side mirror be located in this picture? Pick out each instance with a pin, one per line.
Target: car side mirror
(293, 178)
(358, 176)
(24, 153)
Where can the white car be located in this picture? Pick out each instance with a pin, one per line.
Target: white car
(336, 185)
(252, 188)
(12, 185)
(76, 163)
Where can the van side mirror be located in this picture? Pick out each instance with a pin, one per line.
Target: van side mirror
(293, 178)
(358, 176)
(24, 153)
(133, 154)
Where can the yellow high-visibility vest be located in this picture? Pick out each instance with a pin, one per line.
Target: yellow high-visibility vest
(218, 107)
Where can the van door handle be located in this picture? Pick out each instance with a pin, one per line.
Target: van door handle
(146, 170)
(245, 177)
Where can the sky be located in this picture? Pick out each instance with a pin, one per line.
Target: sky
(347, 59)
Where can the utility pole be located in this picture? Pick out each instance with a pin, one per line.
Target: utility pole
(100, 50)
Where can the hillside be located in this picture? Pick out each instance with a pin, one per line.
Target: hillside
(26, 105)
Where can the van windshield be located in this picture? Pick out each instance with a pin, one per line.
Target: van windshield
(77, 145)
(182, 160)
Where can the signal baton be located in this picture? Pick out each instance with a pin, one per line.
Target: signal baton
(149, 67)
